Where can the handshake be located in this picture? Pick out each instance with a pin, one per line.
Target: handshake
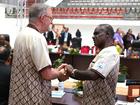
(65, 71)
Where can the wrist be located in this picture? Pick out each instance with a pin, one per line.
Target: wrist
(73, 71)
(58, 76)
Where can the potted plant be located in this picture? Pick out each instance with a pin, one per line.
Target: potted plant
(58, 61)
(78, 85)
(78, 88)
(123, 72)
(73, 51)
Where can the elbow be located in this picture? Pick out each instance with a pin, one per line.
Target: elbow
(46, 74)
(47, 77)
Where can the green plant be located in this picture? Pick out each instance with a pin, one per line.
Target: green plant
(122, 73)
(50, 49)
(123, 69)
(74, 51)
(78, 85)
(58, 61)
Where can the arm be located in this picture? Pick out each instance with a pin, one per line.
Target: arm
(49, 73)
(83, 74)
(120, 44)
(99, 69)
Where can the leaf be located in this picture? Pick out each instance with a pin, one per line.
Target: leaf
(78, 85)
(58, 62)
(123, 69)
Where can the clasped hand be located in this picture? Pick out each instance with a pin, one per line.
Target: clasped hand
(65, 72)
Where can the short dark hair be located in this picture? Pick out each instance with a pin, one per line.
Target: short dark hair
(5, 36)
(4, 53)
(78, 33)
(108, 29)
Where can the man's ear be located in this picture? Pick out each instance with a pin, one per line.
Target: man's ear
(107, 35)
(42, 18)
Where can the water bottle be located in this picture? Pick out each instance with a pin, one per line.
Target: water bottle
(61, 86)
(125, 53)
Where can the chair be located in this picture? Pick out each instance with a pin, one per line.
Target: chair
(85, 49)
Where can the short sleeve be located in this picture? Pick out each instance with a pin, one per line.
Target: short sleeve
(105, 64)
(39, 53)
(116, 38)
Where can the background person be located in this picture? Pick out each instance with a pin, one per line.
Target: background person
(128, 38)
(5, 40)
(101, 76)
(76, 41)
(66, 37)
(52, 36)
(5, 70)
(118, 40)
(32, 70)
(138, 36)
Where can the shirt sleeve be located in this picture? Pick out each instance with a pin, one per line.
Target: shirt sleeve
(105, 64)
(39, 53)
(116, 38)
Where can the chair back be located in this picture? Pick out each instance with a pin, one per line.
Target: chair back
(85, 49)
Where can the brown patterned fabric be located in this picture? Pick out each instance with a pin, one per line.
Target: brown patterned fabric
(27, 87)
(102, 91)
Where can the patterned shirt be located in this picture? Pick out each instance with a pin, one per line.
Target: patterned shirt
(102, 91)
(27, 87)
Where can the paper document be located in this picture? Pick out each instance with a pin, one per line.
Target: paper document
(57, 94)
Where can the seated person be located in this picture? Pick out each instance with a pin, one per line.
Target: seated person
(5, 69)
(6, 37)
(4, 40)
(76, 41)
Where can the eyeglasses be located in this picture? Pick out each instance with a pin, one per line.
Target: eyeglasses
(50, 17)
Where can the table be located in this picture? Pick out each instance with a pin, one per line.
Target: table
(81, 62)
(68, 99)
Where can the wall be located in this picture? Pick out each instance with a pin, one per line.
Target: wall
(87, 31)
(12, 26)
(87, 27)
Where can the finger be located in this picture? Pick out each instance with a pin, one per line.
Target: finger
(65, 71)
(62, 66)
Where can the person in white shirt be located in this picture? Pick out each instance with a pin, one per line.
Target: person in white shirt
(32, 70)
(65, 38)
(101, 76)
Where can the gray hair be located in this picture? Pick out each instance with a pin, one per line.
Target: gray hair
(37, 10)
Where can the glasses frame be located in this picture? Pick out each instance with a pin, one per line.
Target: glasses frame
(50, 17)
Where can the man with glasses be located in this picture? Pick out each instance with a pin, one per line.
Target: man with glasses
(101, 76)
(32, 70)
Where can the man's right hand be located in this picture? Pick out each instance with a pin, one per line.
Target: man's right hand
(69, 69)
